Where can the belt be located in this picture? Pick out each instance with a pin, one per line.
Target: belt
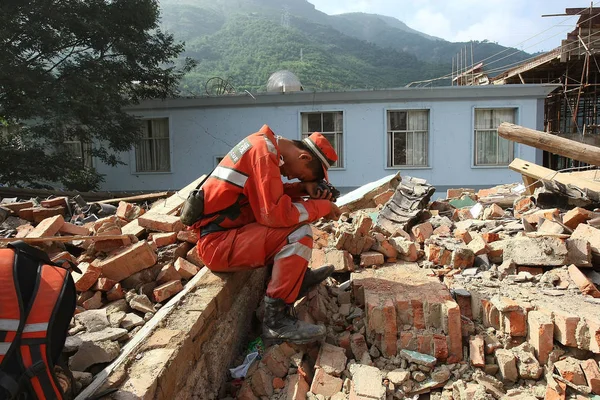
(211, 228)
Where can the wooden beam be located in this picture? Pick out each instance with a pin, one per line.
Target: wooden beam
(169, 207)
(537, 172)
(65, 238)
(552, 143)
(141, 197)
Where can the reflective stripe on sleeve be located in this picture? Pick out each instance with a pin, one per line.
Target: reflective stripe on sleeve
(292, 249)
(41, 327)
(230, 175)
(270, 146)
(9, 324)
(302, 210)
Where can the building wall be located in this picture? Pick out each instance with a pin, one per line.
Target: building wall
(199, 134)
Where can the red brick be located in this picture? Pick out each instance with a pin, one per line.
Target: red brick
(458, 192)
(570, 369)
(540, 334)
(494, 211)
(48, 227)
(591, 234)
(490, 237)
(185, 269)
(478, 244)
(115, 293)
(358, 344)
(585, 285)
(408, 341)
(278, 383)
(344, 341)
(104, 284)
(576, 216)
(462, 258)
(369, 258)
(128, 261)
(534, 218)
(128, 212)
(515, 323)
(26, 213)
(565, 326)
(406, 249)
(16, 207)
(87, 278)
(442, 230)
(522, 205)
(404, 311)
(297, 388)
(276, 361)
(331, 359)
(94, 302)
(63, 255)
(23, 230)
(40, 213)
(166, 290)
(160, 222)
(55, 202)
(424, 343)
(531, 270)
(383, 198)
(163, 239)
(381, 319)
(461, 214)
(496, 253)
(422, 232)
(440, 347)
(188, 235)
(109, 245)
(556, 392)
(325, 384)
(167, 274)
(476, 352)
(72, 229)
(454, 332)
(193, 257)
(340, 259)
(592, 374)
(464, 302)
(491, 315)
(438, 254)
(463, 235)
(418, 315)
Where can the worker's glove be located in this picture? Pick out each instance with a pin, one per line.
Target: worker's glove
(327, 187)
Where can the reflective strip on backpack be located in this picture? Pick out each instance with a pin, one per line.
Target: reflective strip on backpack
(41, 327)
(302, 210)
(9, 324)
(294, 249)
(4, 347)
(230, 175)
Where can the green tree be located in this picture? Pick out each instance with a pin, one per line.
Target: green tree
(67, 70)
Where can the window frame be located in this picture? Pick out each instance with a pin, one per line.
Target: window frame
(339, 136)
(388, 161)
(87, 160)
(133, 154)
(513, 148)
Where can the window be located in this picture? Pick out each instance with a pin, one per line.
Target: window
(491, 149)
(79, 151)
(152, 154)
(408, 137)
(331, 125)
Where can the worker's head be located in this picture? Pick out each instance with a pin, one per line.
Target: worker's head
(310, 159)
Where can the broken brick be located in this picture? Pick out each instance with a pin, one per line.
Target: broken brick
(585, 285)
(40, 213)
(104, 284)
(193, 257)
(591, 234)
(55, 202)
(188, 235)
(163, 239)
(476, 352)
(541, 334)
(592, 374)
(576, 216)
(72, 229)
(167, 274)
(48, 227)
(422, 232)
(160, 222)
(88, 277)
(115, 293)
(166, 290)
(94, 302)
(185, 269)
(16, 207)
(369, 258)
(325, 384)
(478, 244)
(570, 369)
(128, 261)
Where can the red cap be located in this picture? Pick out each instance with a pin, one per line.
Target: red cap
(323, 150)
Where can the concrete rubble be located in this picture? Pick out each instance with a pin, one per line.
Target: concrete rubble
(123, 282)
(479, 296)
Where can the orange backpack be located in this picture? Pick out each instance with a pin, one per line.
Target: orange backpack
(37, 302)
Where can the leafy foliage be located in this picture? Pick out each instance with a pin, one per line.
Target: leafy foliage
(68, 69)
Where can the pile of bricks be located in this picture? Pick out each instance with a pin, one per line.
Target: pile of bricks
(123, 282)
(496, 288)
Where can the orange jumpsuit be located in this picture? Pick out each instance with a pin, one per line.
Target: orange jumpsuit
(264, 221)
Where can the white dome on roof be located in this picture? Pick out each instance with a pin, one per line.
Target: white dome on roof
(284, 81)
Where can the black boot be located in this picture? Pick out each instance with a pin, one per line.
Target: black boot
(279, 326)
(313, 277)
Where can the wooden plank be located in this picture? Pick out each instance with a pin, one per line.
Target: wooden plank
(169, 206)
(530, 184)
(141, 197)
(552, 143)
(591, 175)
(538, 172)
(26, 193)
(141, 336)
(65, 238)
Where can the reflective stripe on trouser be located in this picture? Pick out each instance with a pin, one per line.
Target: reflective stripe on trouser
(254, 246)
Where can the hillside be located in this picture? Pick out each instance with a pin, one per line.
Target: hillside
(245, 41)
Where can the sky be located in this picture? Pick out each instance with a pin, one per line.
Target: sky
(513, 23)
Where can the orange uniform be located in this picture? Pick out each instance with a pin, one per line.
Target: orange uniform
(259, 220)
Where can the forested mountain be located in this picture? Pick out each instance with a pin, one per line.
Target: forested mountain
(244, 41)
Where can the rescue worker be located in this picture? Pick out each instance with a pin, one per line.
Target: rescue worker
(252, 219)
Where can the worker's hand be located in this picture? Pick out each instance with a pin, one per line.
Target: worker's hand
(316, 192)
(335, 213)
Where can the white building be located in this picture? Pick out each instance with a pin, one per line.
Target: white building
(446, 135)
